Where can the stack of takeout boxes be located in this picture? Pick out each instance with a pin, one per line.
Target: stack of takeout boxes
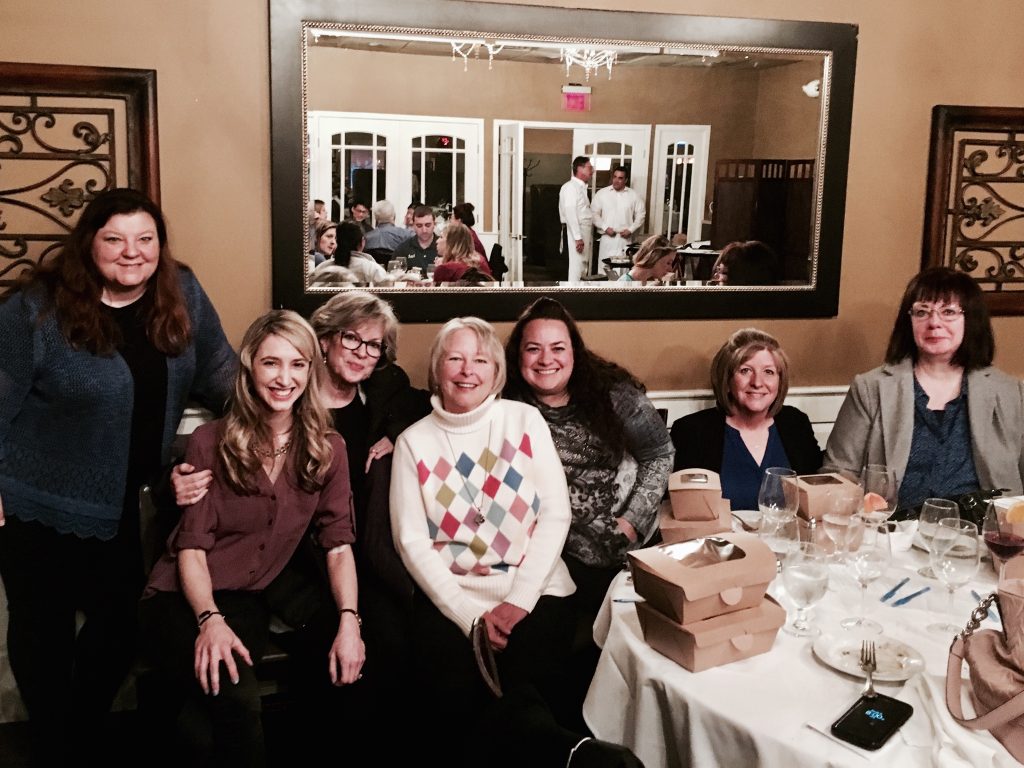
(695, 507)
(705, 599)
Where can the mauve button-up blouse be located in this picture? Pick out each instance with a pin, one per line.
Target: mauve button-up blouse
(248, 539)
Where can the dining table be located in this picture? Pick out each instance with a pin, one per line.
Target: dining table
(775, 709)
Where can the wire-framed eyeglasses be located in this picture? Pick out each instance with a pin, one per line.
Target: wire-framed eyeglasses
(352, 341)
(945, 313)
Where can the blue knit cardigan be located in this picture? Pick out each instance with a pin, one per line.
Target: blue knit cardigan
(65, 413)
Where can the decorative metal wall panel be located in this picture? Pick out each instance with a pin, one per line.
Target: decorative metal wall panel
(975, 208)
(66, 134)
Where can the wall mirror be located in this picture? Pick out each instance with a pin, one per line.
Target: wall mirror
(731, 129)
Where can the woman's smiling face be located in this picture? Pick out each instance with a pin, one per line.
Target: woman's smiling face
(546, 360)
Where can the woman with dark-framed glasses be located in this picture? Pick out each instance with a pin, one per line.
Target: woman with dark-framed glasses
(937, 412)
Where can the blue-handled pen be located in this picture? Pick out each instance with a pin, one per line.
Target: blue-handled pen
(912, 595)
(902, 582)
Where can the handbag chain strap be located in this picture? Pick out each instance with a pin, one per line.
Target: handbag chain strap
(978, 615)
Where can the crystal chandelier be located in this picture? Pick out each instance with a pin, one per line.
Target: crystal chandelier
(590, 59)
(467, 49)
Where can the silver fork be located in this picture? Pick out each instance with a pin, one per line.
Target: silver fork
(868, 664)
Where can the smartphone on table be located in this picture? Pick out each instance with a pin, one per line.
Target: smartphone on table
(871, 721)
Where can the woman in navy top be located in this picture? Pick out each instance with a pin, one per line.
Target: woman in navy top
(749, 429)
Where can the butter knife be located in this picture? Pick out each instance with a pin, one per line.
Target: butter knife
(911, 596)
(902, 582)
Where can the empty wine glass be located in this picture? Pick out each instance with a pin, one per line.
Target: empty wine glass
(867, 561)
(1000, 540)
(777, 497)
(932, 511)
(954, 556)
(805, 576)
(880, 492)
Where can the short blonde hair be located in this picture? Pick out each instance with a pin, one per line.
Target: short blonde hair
(345, 310)
(487, 338)
(741, 346)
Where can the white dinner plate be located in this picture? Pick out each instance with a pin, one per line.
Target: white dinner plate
(895, 661)
(751, 517)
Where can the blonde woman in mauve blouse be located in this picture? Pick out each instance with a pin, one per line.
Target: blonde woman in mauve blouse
(277, 468)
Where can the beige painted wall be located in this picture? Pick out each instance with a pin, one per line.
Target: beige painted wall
(212, 60)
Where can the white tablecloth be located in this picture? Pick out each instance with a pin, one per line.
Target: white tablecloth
(759, 712)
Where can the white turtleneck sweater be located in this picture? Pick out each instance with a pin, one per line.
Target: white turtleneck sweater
(480, 509)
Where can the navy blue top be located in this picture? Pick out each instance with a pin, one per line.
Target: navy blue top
(941, 461)
(741, 475)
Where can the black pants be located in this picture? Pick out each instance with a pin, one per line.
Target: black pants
(68, 680)
(194, 728)
(455, 700)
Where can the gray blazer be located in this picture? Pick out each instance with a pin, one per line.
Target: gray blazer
(876, 424)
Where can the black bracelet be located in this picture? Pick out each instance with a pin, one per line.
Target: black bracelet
(354, 612)
(205, 616)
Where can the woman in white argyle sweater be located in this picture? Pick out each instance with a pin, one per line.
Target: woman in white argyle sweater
(480, 512)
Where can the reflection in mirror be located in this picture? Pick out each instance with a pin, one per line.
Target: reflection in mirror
(717, 145)
(725, 130)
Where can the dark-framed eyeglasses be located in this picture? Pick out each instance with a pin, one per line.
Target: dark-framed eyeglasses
(946, 314)
(352, 341)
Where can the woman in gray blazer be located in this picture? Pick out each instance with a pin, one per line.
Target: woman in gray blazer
(937, 412)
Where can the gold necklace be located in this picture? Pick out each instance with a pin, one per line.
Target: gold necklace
(475, 505)
(274, 453)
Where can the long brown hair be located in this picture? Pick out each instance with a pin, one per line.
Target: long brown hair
(245, 426)
(73, 284)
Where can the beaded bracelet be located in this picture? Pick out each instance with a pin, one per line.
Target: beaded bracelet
(205, 616)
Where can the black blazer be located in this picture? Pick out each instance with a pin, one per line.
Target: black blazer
(700, 440)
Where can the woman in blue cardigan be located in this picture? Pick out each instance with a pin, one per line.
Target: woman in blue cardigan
(100, 349)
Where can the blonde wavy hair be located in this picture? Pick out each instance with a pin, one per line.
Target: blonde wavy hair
(246, 428)
(459, 244)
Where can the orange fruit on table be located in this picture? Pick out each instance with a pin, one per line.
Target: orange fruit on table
(874, 502)
(1015, 514)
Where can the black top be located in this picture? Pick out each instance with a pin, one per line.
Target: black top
(353, 424)
(700, 440)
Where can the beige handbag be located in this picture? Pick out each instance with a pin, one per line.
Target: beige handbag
(995, 662)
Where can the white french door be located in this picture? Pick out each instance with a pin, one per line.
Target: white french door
(611, 145)
(510, 197)
(401, 158)
(679, 179)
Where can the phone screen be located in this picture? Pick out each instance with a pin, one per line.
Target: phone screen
(872, 720)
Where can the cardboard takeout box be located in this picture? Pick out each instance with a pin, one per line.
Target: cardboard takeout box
(696, 494)
(673, 530)
(692, 580)
(817, 492)
(715, 641)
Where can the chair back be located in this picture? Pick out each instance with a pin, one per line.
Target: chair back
(497, 262)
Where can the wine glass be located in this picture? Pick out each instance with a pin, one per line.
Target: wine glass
(805, 576)
(782, 535)
(1000, 540)
(867, 561)
(954, 556)
(840, 517)
(880, 492)
(778, 496)
(932, 511)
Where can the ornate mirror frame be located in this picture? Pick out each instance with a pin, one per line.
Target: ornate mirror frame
(837, 43)
(974, 211)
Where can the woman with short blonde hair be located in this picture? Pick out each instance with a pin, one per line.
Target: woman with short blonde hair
(655, 259)
(750, 428)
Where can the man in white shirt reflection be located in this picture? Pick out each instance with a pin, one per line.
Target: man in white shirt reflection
(619, 213)
(577, 219)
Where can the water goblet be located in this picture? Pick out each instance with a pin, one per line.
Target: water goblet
(840, 518)
(1002, 543)
(954, 554)
(805, 577)
(867, 561)
(778, 496)
(932, 511)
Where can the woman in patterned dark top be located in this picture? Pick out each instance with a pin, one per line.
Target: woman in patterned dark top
(936, 412)
(613, 444)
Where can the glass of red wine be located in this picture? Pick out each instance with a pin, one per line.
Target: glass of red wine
(1001, 542)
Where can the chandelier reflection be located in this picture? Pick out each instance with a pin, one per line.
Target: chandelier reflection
(590, 59)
